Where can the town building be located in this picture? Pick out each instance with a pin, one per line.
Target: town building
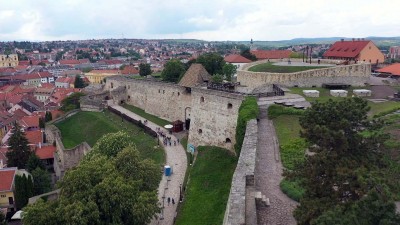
(355, 50)
(10, 60)
(97, 76)
(394, 52)
(237, 60)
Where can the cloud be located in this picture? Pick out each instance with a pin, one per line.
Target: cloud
(200, 19)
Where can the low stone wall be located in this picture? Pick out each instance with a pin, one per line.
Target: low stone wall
(243, 179)
(356, 75)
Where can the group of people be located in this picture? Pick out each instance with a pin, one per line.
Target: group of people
(169, 200)
(167, 140)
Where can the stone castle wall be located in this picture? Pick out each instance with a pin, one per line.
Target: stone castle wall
(214, 117)
(242, 181)
(355, 74)
(173, 102)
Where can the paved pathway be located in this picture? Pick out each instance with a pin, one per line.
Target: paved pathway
(169, 186)
(268, 175)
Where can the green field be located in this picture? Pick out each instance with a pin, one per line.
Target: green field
(90, 126)
(208, 189)
(269, 67)
(149, 117)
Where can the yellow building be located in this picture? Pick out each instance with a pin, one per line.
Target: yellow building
(97, 76)
(7, 177)
(7, 186)
(9, 60)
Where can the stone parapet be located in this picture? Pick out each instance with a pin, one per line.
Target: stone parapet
(243, 180)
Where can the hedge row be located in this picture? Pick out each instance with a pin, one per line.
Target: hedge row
(277, 110)
(248, 110)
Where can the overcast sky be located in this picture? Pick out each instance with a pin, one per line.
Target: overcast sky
(267, 20)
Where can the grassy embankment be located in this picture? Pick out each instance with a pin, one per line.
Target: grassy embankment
(269, 67)
(90, 126)
(208, 189)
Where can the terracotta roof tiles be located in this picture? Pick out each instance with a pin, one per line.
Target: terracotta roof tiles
(235, 58)
(393, 69)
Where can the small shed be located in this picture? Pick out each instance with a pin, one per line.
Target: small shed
(362, 92)
(311, 93)
(339, 93)
(177, 126)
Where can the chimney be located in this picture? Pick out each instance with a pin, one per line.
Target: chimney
(353, 39)
(363, 39)
(40, 145)
(1, 164)
(342, 39)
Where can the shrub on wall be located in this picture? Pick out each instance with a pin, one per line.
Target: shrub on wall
(248, 110)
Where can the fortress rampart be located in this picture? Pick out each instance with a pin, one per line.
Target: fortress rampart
(355, 75)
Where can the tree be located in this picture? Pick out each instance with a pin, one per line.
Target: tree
(337, 174)
(217, 78)
(41, 181)
(229, 70)
(2, 219)
(33, 163)
(212, 62)
(23, 190)
(48, 116)
(79, 83)
(248, 55)
(18, 150)
(374, 208)
(107, 187)
(144, 69)
(173, 71)
(42, 124)
(71, 102)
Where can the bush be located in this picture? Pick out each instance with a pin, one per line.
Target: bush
(293, 153)
(248, 110)
(277, 110)
(292, 188)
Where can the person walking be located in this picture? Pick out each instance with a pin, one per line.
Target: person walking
(173, 201)
(169, 200)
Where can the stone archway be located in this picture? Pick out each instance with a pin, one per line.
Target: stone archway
(188, 111)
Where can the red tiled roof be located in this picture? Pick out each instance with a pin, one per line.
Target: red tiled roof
(129, 70)
(46, 152)
(346, 49)
(34, 137)
(106, 71)
(24, 63)
(29, 121)
(30, 76)
(235, 58)
(393, 69)
(7, 179)
(271, 54)
(69, 62)
(83, 61)
(111, 61)
(69, 80)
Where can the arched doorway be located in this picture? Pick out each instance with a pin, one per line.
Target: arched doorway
(188, 111)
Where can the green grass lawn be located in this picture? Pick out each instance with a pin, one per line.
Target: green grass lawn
(90, 126)
(269, 67)
(287, 128)
(377, 108)
(142, 113)
(208, 189)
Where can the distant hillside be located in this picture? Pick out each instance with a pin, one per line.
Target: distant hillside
(379, 41)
